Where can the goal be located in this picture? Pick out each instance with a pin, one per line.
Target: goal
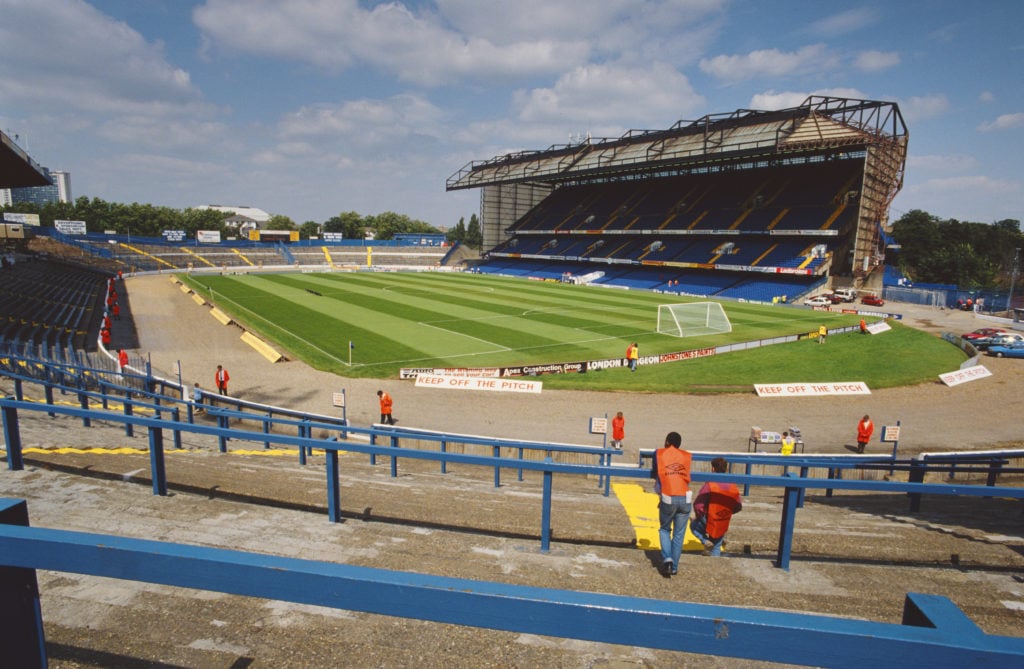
(692, 319)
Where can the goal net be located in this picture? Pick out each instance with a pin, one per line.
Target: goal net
(692, 319)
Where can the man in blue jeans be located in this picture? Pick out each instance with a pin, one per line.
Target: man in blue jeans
(670, 469)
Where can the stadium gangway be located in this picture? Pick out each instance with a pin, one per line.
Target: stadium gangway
(934, 632)
(793, 487)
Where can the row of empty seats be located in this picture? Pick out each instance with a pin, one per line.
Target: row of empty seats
(50, 303)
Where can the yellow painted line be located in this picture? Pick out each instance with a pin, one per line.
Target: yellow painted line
(277, 453)
(196, 255)
(240, 255)
(111, 406)
(642, 508)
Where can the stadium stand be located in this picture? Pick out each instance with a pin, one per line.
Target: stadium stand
(749, 205)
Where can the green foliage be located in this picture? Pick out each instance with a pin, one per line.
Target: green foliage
(458, 233)
(474, 237)
(464, 320)
(970, 255)
(279, 222)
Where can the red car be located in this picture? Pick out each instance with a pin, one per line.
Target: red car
(983, 332)
(872, 300)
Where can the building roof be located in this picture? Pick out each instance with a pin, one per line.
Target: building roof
(819, 123)
(253, 213)
(17, 169)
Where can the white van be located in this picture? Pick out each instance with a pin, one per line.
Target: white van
(848, 294)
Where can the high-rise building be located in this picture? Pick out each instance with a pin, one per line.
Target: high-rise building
(41, 195)
(62, 180)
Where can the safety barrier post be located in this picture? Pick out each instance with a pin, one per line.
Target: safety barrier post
(545, 512)
(129, 429)
(12, 437)
(83, 400)
(444, 463)
(333, 486)
(790, 501)
(176, 417)
(394, 458)
(21, 635)
(222, 441)
(496, 452)
(916, 475)
(156, 461)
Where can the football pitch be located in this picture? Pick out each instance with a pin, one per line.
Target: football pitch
(440, 319)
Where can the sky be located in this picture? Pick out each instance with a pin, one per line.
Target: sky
(311, 108)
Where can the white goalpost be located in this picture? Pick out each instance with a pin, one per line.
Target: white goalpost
(693, 319)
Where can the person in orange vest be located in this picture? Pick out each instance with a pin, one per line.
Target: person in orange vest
(385, 408)
(221, 379)
(713, 509)
(632, 355)
(865, 428)
(863, 326)
(618, 430)
(670, 468)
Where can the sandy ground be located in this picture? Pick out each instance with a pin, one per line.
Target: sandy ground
(854, 555)
(176, 332)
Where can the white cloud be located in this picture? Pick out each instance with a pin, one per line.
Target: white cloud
(768, 62)
(942, 163)
(922, 107)
(842, 23)
(770, 100)
(415, 47)
(364, 122)
(605, 95)
(70, 56)
(1004, 122)
(987, 96)
(968, 184)
(874, 61)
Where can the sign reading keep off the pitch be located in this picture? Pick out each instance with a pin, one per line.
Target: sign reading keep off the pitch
(810, 389)
(477, 383)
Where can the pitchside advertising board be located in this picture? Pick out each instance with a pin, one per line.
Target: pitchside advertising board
(174, 236)
(24, 219)
(70, 227)
(579, 367)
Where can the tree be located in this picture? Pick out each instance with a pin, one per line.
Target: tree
(309, 229)
(349, 223)
(970, 255)
(280, 222)
(474, 237)
(458, 233)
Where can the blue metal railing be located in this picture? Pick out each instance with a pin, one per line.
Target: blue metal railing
(934, 632)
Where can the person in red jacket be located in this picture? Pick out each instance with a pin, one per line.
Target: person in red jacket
(122, 360)
(221, 379)
(865, 428)
(105, 337)
(713, 509)
(670, 468)
(385, 408)
(618, 430)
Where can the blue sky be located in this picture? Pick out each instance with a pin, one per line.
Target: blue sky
(309, 108)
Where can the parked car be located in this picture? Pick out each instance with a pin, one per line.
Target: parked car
(1009, 350)
(983, 332)
(846, 294)
(818, 301)
(998, 339)
(872, 300)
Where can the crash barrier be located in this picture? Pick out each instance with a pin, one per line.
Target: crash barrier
(989, 464)
(934, 631)
(794, 487)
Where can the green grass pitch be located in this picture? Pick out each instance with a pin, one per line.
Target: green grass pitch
(436, 319)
